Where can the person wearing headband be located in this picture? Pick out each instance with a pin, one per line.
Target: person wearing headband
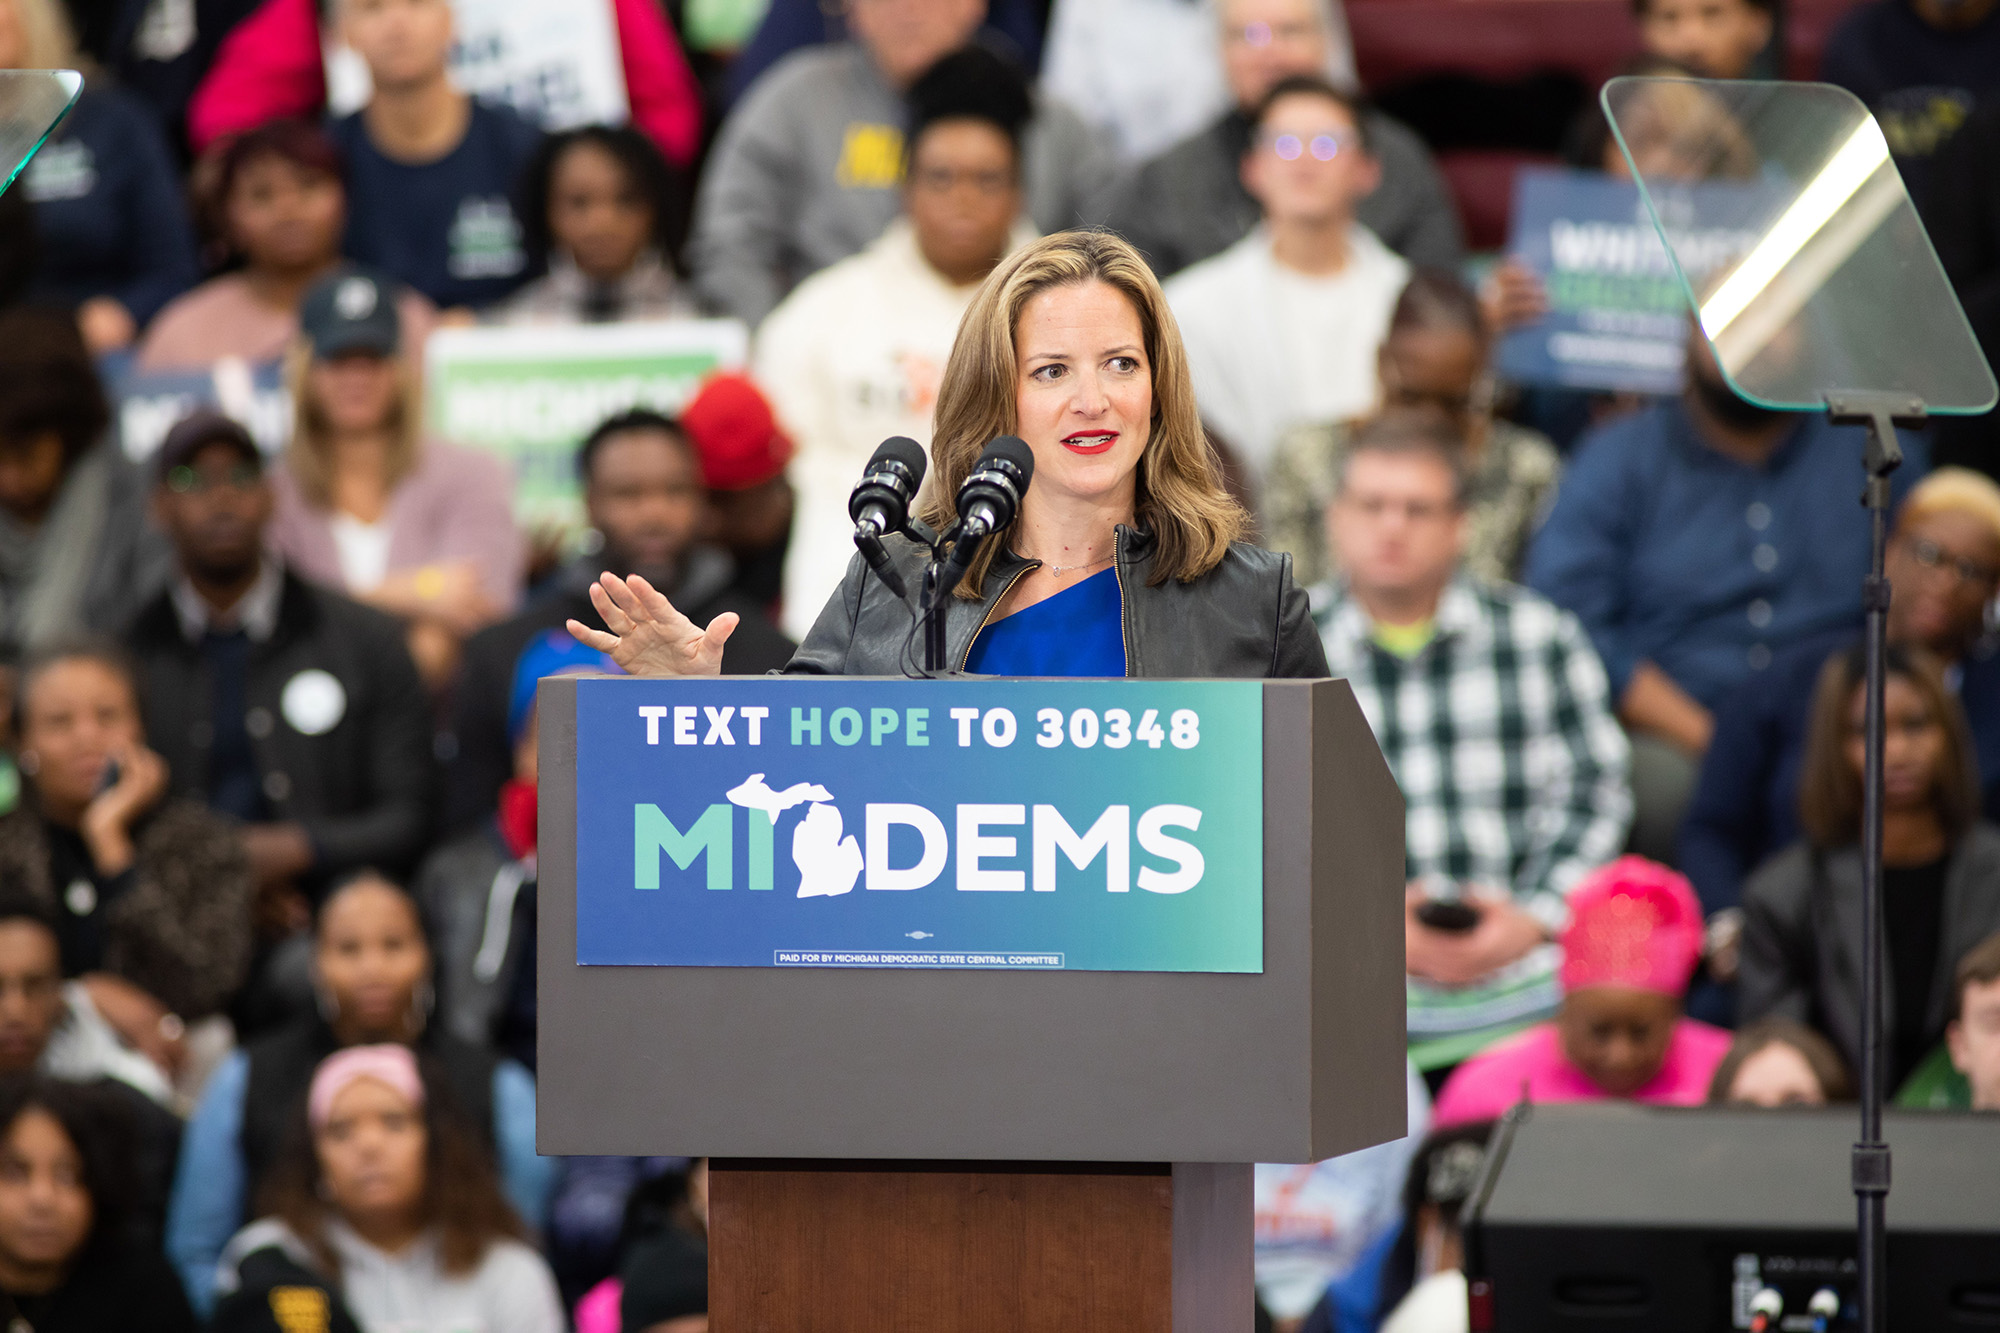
(1628, 953)
(388, 1203)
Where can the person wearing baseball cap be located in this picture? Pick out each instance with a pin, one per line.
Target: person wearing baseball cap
(368, 505)
(290, 708)
(750, 500)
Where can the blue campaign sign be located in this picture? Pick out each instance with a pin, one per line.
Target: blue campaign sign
(1101, 825)
(1617, 318)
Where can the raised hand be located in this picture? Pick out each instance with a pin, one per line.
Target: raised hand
(648, 637)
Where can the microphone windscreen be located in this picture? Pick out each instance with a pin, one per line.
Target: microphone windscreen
(904, 450)
(1011, 449)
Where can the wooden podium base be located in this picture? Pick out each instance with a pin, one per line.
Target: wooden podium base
(829, 1246)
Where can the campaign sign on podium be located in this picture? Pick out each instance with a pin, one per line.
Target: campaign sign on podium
(1075, 825)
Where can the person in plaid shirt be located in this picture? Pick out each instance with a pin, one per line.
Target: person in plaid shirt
(1494, 713)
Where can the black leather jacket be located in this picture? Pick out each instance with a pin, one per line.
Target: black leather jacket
(1245, 617)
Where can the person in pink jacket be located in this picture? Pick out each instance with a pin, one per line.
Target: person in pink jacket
(1629, 951)
(369, 507)
(270, 65)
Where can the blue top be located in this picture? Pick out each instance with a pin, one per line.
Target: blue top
(447, 227)
(1745, 808)
(1078, 632)
(1672, 553)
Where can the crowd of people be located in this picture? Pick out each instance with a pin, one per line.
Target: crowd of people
(268, 770)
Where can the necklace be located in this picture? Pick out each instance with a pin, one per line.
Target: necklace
(1060, 570)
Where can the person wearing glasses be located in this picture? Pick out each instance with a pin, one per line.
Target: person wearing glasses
(1944, 563)
(857, 352)
(1434, 356)
(1283, 327)
(290, 708)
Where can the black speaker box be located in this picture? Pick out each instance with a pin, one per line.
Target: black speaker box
(1645, 1219)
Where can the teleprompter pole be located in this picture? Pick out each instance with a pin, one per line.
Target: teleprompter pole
(1881, 414)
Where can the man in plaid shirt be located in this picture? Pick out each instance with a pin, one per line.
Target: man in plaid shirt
(1493, 711)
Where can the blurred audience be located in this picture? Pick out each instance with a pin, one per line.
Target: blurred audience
(150, 896)
(372, 970)
(1973, 1035)
(366, 503)
(276, 703)
(112, 235)
(431, 172)
(1435, 354)
(1424, 1287)
(1012, 26)
(68, 1261)
(856, 352)
(1943, 560)
(272, 65)
(1922, 66)
(75, 551)
(385, 1203)
(809, 167)
(751, 501)
(1284, 327)
(279, 208)
(1940, 880)
(478, 890)
(1961, 210)
(1780, 1062)
(1321, 1224)
(1628, 952)
(1190, 202)
(643, 496)
(1143, 73)
(1716, 39)
(53, 1029)
(1696, 540)
(1493, 714)
(599, 208)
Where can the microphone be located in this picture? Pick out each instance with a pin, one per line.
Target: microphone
(988, 500)
(880, 503)
(1765, 1308)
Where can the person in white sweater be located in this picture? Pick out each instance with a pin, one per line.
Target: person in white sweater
(387, 1207)
(1283, 327)
(856, 353)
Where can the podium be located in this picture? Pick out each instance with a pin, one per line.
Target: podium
(1037, 1112)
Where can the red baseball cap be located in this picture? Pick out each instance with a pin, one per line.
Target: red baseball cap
(735, 434)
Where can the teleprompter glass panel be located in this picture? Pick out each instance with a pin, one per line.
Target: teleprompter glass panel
(1796, 242)
(31, 102)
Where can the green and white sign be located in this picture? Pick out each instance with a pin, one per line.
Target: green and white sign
(530, 395)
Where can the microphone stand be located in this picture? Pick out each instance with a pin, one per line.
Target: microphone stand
(1869, 1165)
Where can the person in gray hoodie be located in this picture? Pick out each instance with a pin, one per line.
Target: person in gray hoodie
(1190, 202)
(809, 167)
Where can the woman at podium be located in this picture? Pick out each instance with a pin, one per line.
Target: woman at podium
(1124, 559)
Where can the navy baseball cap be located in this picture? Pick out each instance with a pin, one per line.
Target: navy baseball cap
(353, 310)
(196, 431)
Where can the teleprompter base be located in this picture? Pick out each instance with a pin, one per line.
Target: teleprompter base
(821, 1246)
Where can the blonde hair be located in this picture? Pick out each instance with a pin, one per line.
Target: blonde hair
(47, 41)
(306, 457)
(1179, 491)
(1955, 490)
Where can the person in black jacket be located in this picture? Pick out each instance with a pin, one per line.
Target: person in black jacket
(291, 708)
(1802, 918)
(643, 493)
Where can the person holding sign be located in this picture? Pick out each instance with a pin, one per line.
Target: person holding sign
(1070, 346)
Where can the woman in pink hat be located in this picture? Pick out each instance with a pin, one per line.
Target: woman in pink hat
(1631, 946)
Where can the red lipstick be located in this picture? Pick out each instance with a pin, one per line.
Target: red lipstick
(1090, 441)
